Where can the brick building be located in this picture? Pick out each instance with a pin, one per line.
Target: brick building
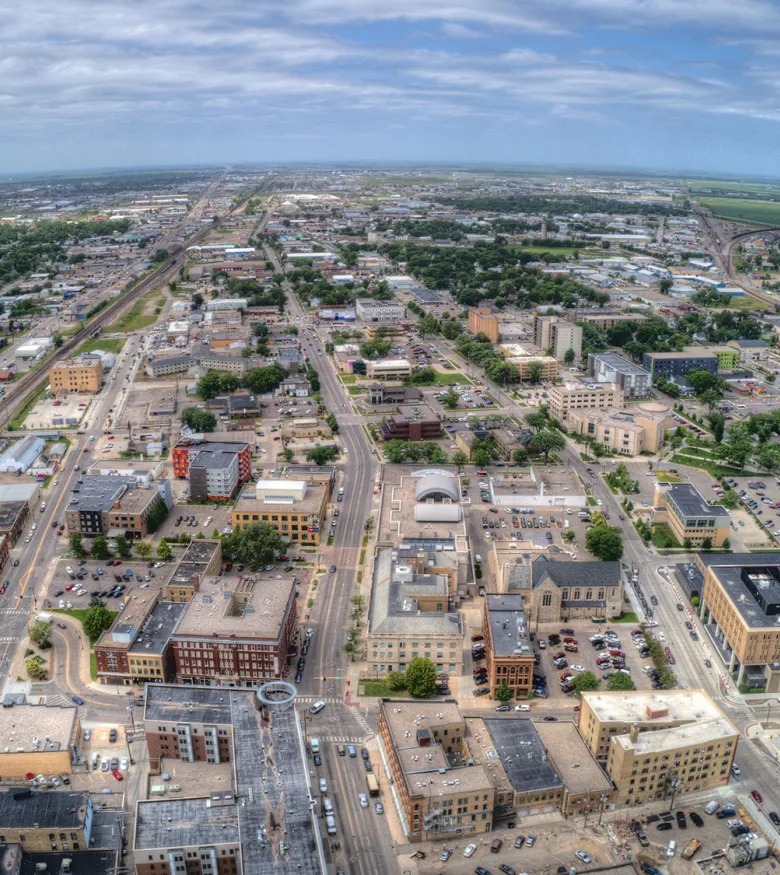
(510, 656)
(186, 450)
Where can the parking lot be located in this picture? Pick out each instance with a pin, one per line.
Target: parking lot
(207, 517)
(100, 577)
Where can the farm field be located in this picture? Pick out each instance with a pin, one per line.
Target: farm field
(744, 208)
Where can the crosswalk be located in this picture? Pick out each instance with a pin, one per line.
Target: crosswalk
(13, 612)
(342, 739)
(9, 638)
(360, 720)
(329, 700)
(58, 700)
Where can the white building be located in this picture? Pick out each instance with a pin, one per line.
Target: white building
(33, 347)
(227, 304)
(280, 491)
(19, 456)
(379, 311)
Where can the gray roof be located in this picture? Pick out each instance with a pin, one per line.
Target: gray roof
(752, 584)
(66, 810)
(752, 344)
(618, 363)
(394, 600)
(176, 823)
(158, 628)
(98, 492)
(691, 502)
(570, 574)
(509, 631)
(434, 483)
(215, 460)
(437, 513)
(522, 754)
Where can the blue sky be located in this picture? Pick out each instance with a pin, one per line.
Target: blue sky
(660, 84)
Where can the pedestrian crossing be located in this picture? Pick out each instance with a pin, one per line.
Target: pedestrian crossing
(328, 700)
(360, 719)
(342, 739)
(13, 612)
(58, 700)
(9, 638)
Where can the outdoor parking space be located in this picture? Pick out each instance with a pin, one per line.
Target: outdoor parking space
(586, 654)
(131, 573)
(61, 412)
(207, 517)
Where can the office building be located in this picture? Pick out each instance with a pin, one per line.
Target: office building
(409, 616)
(379, 311)
(188, 448)
(482, 320)
(683, 508)
(106, 504)
(678, 364)
(38, 740)
(201, 560)
(751, 352)
(739, 610)
(213, 476)
(83, 373)
(388, 369)
(527, 366)
(510, 655)
(609, 367)
(659, 743)
(583, 396)
(411, 423)
(566, 590)
(620, 431)
(558, 336)
(294, 508)
(263, 821)
(45, 820)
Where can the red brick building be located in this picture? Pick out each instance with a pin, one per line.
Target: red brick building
(186, 450)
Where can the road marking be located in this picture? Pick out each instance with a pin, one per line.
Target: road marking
(13, 612)
(361, 721)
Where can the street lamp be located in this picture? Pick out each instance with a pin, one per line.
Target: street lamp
(127, 740)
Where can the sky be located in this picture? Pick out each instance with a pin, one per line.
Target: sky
(691, 85)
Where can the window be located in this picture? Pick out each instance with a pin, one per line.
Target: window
(547, 599)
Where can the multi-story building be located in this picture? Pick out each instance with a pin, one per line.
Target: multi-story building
(656, 744)
(44, 821)
(436, 801)
(236, 632)
(83, 373)
(728, 356)
(740, 604)
(39, 740)
(750, 352)
(188, 448)
(388, 369)
(294, 508)
(558, 335)
(482, 320)
(609, 367)
(683, 508)
(411, 424)
(563, 591)
(100, 504)
(202, 559)
(526, 367)
(583, 396)
(409, 616)
(620, 431)
(258, 739)
(379, 311)
(677, 364)
(213, 476)
(604, 319)
(510, 655)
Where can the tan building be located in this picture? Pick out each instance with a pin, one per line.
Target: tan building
(307, 427)
(740, 603)
(573, 396)
(558, 335)
(510, 655)
(438, 802)
(565, 590)
(294, 508)
(81, 374)
(523, 363)
(482, 320)
(388, 369)
(683, 508)
(45, 823)
(621, 432)
(654, 742)
(409, 616)
(37, 740)
(201, 560)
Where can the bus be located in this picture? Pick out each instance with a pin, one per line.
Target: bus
(373, 784)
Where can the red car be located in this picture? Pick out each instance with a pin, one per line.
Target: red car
(757, 796)
(118, 775)
(70, 586)
(570, 641)
(669, 655)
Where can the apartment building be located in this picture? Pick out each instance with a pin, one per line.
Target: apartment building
(188, 448)
(437, 802)
(653, 744)
(101, 504)
(236, 632)
(750, 352)
(621, 432)
(38, 739)
(409, 616)
(677, 364)
(388, 369)
(740, 604)
(558, 335)
(604, 319)
(42, 821)
(379, 311)
(564, 590)
(83, 373)
(683, 508)
(411, 423)
(296, 509)
(728, 356)
(482, 320)
(510, 655)
(609, 367)
(526, 365)
(213, 476)
(572, 396)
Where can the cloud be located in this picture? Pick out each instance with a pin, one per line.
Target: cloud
(460, 31)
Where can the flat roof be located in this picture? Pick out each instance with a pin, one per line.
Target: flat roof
(81, 863)
(572, 758)
(402, 715)
(619, 364)
(675, 737)
(691, 502)
(214, 460)
(179, 704)
(22, 723)
(675, 706)
(686, 354)
(518, 745)
(9, 512)
(97, 492)
(509, 631)
(64, 810)
(175, 823)
(248, 502)
(158, 628)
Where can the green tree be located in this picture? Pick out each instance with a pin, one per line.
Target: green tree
(537, 421)
(396, 680)
(569, 356)
(76, 545)
(546, 442)
(35, 668)
(667, 679)
(200, 420)
(321, 455)
(459, 458)
(421, 678)
(483, 451)
(605, 543)
(263, 380)
(57, 339)
(332, 423)
(664, 286)
(503, 693)
(718, 426)
(737, 447)
(123, 548)
(703, 381)
(100, 548)
(520, 456)
(288, 455)
(619, 682)
(254, 546)
(40, 633)
(96, 621)
(143, 548)
(164, 551)
(585, 681)
(706, 545)
(209, 385)
(450, 399)
(688, 544)
(376, 348)
(157, 515)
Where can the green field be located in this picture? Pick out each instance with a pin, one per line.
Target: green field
(106, 344)
(763, 212)
(725, 185)
(444, 378)
(141, 314)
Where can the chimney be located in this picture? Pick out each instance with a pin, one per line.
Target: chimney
(633, 733)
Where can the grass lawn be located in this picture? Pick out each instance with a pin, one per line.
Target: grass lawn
(355, 390)
(592, 501)
(106, 344)
(749, 209)
(141, 314)
(744, 303)
(79, 614)
(17, 420)
(711, 467)
(625, 617)
(378, 688)
(444, 378)
(93, 666)
(348, 379)
(666, 477)
(663, 537)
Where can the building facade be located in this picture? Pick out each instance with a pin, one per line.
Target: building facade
(563, 591)
(482, 320)
(559, 336)
(509, 655)
(379, 311)
(294, 508)
(609, 367)
(213, 476)
(186, 450)
(678, 364)
(80, 374)
(621, 432)
(526, 367)
(583, 396)
(388, 369)
(683, 508)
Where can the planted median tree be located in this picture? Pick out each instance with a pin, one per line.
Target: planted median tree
(421, 678)
(40, 633)
(100, 548)
(76, 545)
(585, 681)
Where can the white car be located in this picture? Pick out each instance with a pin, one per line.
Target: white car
(661, 636)
(123, 764)
(599, 502)
(469, 850)
(323, 785)
(651, 623)
(363, 800)
(581, 855)
(577, 667)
